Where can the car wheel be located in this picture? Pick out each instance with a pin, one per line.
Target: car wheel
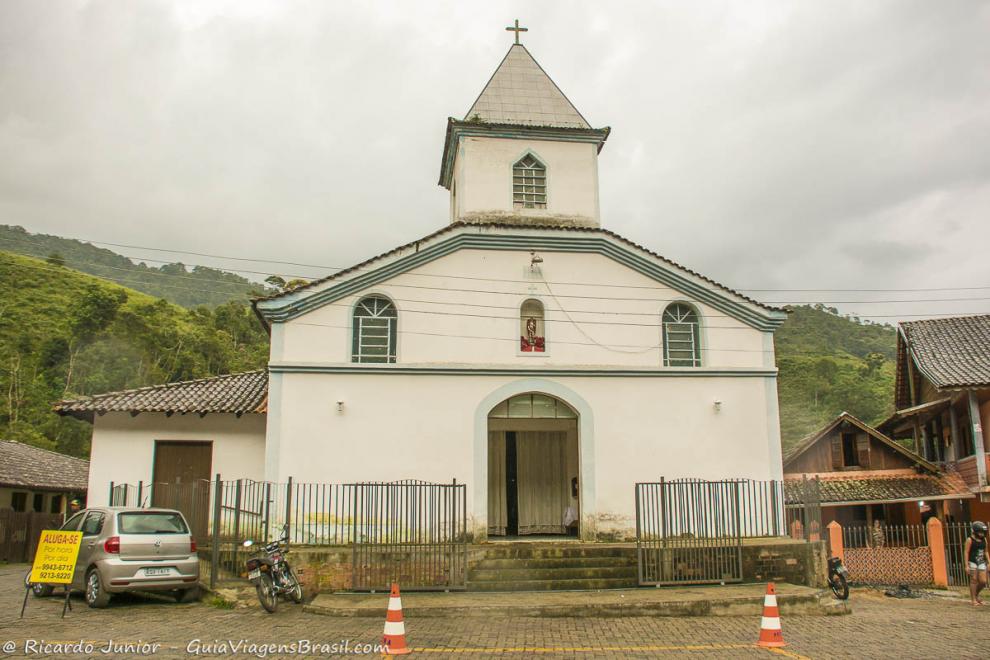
(96, 595)
(42, 590)
(187, 595)
(38, 590)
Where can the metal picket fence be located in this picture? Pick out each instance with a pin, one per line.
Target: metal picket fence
(411, 529)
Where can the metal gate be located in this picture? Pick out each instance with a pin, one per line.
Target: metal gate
(411, 532)
(688, 531)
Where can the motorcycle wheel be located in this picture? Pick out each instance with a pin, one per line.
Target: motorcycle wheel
(293, 588)
(266, 593)
(839, 586)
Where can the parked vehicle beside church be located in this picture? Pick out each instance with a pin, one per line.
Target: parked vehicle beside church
(129, 549)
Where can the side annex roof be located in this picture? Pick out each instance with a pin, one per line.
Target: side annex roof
(507, 236)
(239, 393)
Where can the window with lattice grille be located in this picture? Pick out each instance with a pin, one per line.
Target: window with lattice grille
(529, 184)
(681, 336)
(374, 332)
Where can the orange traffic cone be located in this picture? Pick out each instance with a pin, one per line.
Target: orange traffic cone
(394, 638)
(770, 633)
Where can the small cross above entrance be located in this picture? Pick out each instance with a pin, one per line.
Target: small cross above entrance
(517, 30)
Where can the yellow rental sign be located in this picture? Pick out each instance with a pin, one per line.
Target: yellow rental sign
(55, 561)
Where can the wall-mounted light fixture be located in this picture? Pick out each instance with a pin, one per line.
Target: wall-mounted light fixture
(717, 405)
(534, 261)
(340, 406)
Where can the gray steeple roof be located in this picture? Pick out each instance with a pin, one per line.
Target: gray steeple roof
(520, 92)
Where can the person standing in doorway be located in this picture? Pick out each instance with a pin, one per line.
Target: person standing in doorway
(976, 561)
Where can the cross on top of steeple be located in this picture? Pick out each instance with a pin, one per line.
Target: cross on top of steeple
(516, 29)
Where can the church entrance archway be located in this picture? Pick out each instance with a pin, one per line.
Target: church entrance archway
(533, 468)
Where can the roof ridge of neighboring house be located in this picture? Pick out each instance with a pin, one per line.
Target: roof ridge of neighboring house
(50, 451)
(146, 388)
(508, 225)
(950, 352)
(943, 319)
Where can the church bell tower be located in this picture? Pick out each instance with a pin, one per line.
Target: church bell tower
(523, 154)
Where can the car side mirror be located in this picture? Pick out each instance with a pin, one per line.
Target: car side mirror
(248, 543)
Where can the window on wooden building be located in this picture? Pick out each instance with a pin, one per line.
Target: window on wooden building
(18, 501)
(681, 332)
(850, 457)
(850, 450)
(374, 331)
(529, 183)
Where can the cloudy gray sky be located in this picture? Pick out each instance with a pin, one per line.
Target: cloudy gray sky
(770, 145)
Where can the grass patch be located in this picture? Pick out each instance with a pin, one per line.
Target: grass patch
(221, 603)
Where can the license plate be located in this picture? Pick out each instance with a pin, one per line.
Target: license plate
(157, 571)
(255, 574)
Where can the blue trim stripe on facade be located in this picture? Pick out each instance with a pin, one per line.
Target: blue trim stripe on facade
(604, 372)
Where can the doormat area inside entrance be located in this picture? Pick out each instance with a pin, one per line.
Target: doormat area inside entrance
(729, 600)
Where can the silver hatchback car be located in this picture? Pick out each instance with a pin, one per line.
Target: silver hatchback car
(130, 549)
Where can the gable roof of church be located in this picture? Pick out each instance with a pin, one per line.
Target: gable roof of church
(508, 236)
(520, 92)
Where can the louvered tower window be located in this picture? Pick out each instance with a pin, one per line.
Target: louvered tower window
(529, 184)
(374, 337)
(681, 336)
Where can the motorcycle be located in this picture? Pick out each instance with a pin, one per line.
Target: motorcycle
(271, 574)
(838, 578)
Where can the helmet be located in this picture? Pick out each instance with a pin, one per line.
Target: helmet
(979, 528)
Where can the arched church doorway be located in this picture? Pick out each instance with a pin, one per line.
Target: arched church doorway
(533, 468)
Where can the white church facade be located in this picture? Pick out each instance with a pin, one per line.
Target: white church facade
(522, 349)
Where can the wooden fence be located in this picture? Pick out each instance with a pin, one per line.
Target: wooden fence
(19, 533)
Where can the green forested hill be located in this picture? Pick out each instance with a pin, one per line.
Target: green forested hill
(173, 282)
(829, 364)
(64, 333)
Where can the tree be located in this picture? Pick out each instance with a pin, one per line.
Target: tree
(55, 259)
(93, 312)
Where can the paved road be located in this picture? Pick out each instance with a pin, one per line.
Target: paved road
(879, 628)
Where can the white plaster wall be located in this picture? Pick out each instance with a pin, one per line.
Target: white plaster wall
(483, 178)
(427, 427)
(446, 320)
(124, 446)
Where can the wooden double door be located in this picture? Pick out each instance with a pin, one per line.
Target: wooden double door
(181, 480)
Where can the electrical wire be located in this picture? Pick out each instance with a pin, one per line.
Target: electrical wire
(517, 293)
(475, 278)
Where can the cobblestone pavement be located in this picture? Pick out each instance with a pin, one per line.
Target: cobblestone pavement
(879, 628)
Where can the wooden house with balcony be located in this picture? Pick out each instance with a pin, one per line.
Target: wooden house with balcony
(942, 398)
(865, 476)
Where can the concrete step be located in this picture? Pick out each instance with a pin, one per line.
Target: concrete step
(552, 551)
(580, 584)
(517, 574)
(556, 562)
(733, 600)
